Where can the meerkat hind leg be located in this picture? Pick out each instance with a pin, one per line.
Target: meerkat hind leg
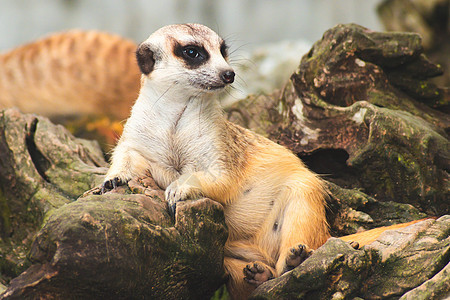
(257, 273)
(241, 282)
(303, 228)
(297, 255)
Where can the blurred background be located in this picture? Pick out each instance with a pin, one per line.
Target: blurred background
(247, 23)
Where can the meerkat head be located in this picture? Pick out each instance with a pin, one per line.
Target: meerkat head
(186, 57)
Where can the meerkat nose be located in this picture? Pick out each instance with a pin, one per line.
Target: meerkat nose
(227, 76)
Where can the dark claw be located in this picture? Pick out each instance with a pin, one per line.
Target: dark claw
(111, 184)
(105, 186)
(354, 244)
(117, 182)
(172, 209)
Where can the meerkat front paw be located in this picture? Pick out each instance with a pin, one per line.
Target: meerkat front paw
(111, 184)
(179, 190)
(257, 273)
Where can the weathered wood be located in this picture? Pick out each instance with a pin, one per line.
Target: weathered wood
(345, 115)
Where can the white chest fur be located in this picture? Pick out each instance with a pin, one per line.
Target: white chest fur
(176, 134)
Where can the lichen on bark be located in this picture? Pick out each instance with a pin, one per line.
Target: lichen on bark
(346, 116)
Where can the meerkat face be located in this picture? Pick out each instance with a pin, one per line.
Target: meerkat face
(190, 58)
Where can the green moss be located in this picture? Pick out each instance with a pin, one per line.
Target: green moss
(5, 213)
(221, 294)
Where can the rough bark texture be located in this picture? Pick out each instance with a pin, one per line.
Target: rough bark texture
(347, 115)
(359, 110)
(42, 167)
(126, 246)
(117, 245)
(351, 211)
(429, 18)
(395, 266)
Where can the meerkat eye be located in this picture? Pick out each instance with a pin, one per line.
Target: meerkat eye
(193, 55)
(191, 52)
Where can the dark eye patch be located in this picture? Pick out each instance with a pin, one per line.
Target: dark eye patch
(193, 55)
(224, 49)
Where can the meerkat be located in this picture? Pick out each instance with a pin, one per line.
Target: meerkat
(70, 74)
(274, 206)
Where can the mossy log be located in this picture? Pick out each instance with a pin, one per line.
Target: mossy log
(122, 245)
(345, 113)
(42, 167)
(430, 19)
(126, 247)
(395, 266)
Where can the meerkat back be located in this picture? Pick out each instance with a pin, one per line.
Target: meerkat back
(71, 73)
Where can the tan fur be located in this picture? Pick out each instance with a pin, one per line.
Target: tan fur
(369, 236)
(264, 184)
(275, 175)
(71, 73)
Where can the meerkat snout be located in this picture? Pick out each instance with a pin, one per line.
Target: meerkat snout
(227, 76)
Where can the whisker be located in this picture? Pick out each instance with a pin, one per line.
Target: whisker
(165, 92)
(241, 81)
(199, 119)
(240, 91)
(242, 59)
(239, 48)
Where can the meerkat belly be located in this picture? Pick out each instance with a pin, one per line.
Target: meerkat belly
(256, 208)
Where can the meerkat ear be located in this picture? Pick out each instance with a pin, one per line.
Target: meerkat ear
(145, 59)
